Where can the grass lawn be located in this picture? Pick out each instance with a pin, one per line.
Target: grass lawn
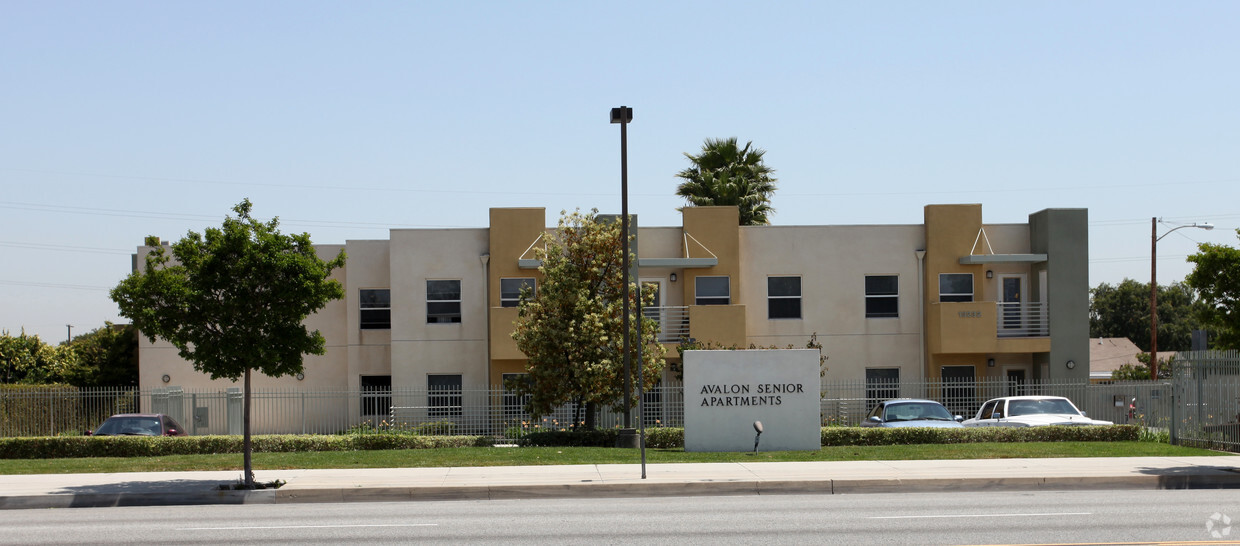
(514, 456)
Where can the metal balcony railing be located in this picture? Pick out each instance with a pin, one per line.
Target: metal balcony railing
(673, 322)
(1022, 319)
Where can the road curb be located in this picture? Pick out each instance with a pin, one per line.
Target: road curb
(632, 489)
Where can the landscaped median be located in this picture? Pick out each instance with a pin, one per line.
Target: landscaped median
(656, 438)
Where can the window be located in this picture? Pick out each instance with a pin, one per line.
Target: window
(514, 404)
(783, 297)
(443, 395)
(376, 395)
(376, 309)
(443, 301)
(882, 296)
(955, 287)
(881, 384)
(510, 290)
(712, 291)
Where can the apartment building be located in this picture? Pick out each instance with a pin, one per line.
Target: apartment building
(951, 297)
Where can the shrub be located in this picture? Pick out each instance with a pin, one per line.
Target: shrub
(856, 436)
(58, 447)
(146, 446)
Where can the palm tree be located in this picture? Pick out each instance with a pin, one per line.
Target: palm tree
(726, 174)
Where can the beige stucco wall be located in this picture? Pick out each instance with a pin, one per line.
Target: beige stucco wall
(419, 348)
(833, 262)
(369, 351)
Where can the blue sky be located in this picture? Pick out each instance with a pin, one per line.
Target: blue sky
(127, 119)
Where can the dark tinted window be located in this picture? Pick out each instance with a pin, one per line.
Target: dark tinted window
(783, 297)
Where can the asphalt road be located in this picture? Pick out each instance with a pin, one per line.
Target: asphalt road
(912, 518)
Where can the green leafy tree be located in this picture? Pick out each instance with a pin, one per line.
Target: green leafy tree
(572, 330)
(1141, 370)
(1123, 310)
(26, 359)
(1216, 277)
(106, 357)
(726, 174)
(233, 301)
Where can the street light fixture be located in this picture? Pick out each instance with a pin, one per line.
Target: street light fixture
(1154, 238)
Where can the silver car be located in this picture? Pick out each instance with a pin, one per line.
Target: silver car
(1030, 411)
(910, 412)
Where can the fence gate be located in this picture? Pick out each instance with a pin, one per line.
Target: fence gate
(1206, 405)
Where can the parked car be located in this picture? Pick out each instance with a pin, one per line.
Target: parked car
(909, 412)
(139, 424)
(1030, 411)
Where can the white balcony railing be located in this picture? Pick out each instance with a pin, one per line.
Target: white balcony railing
(673, 322)
(1022, 319)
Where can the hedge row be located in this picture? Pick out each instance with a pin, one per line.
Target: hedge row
(656, 438)
(145, 446)
(667, 437)
(856, 436)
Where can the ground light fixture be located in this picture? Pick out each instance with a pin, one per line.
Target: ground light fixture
(1154, 238)
(757, 426)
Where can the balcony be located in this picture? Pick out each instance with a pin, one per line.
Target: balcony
(987, 327)
(673, 322)
(1022, 320)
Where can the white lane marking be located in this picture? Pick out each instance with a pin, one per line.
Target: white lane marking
(985, 515)
(307, 527)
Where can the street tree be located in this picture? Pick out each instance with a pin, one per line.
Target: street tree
(1123, 311)
(1216, 277)
(233, 300)
(571, 329)
(724, 173)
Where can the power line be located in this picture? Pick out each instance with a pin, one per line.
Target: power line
(53, 285)
(63, 248)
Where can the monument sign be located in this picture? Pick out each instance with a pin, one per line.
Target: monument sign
(727, 391)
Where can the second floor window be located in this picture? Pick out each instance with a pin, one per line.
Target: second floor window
(443, 301)
(783, 297)
(882, 296)
(955, 287)
(712, 291)
(510, 290)
(376, 309)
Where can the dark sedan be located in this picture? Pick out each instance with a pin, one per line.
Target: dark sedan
(139, 424)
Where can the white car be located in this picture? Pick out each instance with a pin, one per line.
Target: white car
(1030, 411)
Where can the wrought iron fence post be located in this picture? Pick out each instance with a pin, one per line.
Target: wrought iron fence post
(1175, 403)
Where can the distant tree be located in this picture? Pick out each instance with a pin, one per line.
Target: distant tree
(27, 360)
(726, 174)
(572, 330)
(106, 357)
(234, 301)
(1123, 311)
(1141, 370)
(1216, 276)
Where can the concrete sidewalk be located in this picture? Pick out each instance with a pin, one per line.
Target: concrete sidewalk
(620, 480)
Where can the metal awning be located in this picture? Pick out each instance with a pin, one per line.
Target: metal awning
(992, 258)
(524, 262)
(976, 259)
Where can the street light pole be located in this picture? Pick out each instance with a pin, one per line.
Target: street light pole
(1154, 238)
(623, 115)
